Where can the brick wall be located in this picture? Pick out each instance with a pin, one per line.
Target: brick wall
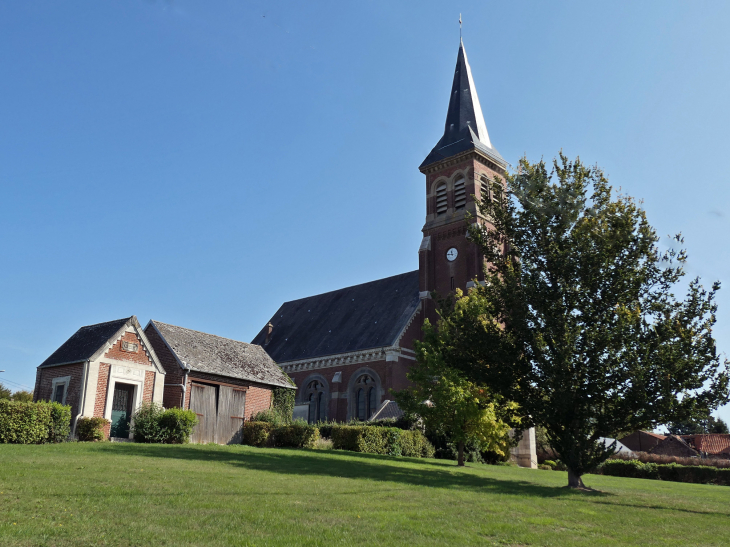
(172, 393)
(149, 386)
(257, 399)
(44, 384)
(101, 389)
(140, 356)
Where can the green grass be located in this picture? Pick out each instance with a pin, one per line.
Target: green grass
(127, 494)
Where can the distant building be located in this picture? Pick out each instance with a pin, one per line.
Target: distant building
(642, 441)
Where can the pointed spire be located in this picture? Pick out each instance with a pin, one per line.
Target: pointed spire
(465, 127)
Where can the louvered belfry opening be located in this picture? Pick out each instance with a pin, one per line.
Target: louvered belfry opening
(441, 199)
(459, 194)
(485, 189)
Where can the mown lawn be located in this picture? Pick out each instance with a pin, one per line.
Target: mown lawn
(126, 494)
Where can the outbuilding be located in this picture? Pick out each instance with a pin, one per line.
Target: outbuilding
(105, 370)
(223, 381)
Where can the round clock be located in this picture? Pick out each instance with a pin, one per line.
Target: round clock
(451, 254)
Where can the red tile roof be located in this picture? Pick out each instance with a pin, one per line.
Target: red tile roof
(713, 443)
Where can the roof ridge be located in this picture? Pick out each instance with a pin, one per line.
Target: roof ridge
(125, 319)
(349, 287)
(202, 332)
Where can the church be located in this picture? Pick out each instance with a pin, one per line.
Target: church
(347, 349)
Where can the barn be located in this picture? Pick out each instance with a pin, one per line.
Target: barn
(223, 381)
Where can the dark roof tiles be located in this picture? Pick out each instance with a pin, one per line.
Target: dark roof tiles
(85, 342)
(365, 316)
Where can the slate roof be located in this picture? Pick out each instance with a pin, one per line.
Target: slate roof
(387, 410)
(465, 128)
(355, 318)
(213, 354)
(86, 341)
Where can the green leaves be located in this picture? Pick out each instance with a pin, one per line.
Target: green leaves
(578, 322)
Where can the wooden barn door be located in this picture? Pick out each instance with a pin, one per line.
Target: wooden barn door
(203, 403)
(231, 405)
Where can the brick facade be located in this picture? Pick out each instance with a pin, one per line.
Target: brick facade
(44, 384)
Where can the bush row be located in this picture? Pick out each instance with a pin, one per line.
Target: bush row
(381, 440)
(294, 435)
(153, 424)
(700, 474)
(34, 423)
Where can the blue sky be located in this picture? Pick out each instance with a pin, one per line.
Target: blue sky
(200, 163)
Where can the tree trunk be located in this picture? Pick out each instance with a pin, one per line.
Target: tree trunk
(461, 454)
(574, 481)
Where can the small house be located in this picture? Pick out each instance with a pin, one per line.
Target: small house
(223, 381)
(105, 370)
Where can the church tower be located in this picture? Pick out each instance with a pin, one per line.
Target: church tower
(461, 165)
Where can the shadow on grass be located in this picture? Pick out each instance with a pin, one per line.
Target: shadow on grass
(340, 464)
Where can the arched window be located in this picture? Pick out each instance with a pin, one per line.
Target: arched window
(459, 194)
(441, 199)
(366, 395)
(485, 189)
(317, 401)
(498, 191)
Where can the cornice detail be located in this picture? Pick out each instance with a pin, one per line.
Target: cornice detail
(341, 359)
(473, 154)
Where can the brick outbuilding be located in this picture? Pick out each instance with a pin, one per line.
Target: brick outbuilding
(223, 381)
(105, 370)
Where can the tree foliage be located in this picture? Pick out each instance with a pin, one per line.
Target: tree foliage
(708, 424)
(22, 396)
(446, 400)
(578, 321)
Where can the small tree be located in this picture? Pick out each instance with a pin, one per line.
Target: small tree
(4, 392)
(578, 322)
(446, 400)
(22, 396)
(708, 424)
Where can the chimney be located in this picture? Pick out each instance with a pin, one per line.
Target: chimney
(269, 330)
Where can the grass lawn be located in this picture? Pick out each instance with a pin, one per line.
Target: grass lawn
(127, 494)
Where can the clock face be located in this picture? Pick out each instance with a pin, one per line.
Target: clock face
(451, 254)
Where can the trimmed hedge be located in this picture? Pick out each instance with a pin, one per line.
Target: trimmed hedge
(33, 423)
(381, 440)
(153, 424)
(295, 435)
(700, 474)
(91, 429)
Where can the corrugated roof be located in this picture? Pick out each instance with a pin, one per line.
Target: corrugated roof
(85, 342)
(355, 318)
(221, 356)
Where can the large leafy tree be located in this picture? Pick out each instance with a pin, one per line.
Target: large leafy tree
(578, 321)
(708, 424)
(447, 401)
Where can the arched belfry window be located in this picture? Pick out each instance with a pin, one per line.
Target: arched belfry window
(459, 194)
(498, 192)
(485, 189)
(315, 397)
(366, 397)
(441, 200)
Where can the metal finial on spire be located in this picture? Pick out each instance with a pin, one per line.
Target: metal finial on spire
(460, 27)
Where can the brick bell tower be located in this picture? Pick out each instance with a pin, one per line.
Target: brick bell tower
(461, 165)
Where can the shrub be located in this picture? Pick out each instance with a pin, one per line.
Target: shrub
(146, 423)
(91, 429)
(647, 457)
(669, 472)
(176, 425)
(295, 435)
(153, 424)
(381, 440)
(60, 427)
(33, 423)
(271, 416)
(257, 433)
